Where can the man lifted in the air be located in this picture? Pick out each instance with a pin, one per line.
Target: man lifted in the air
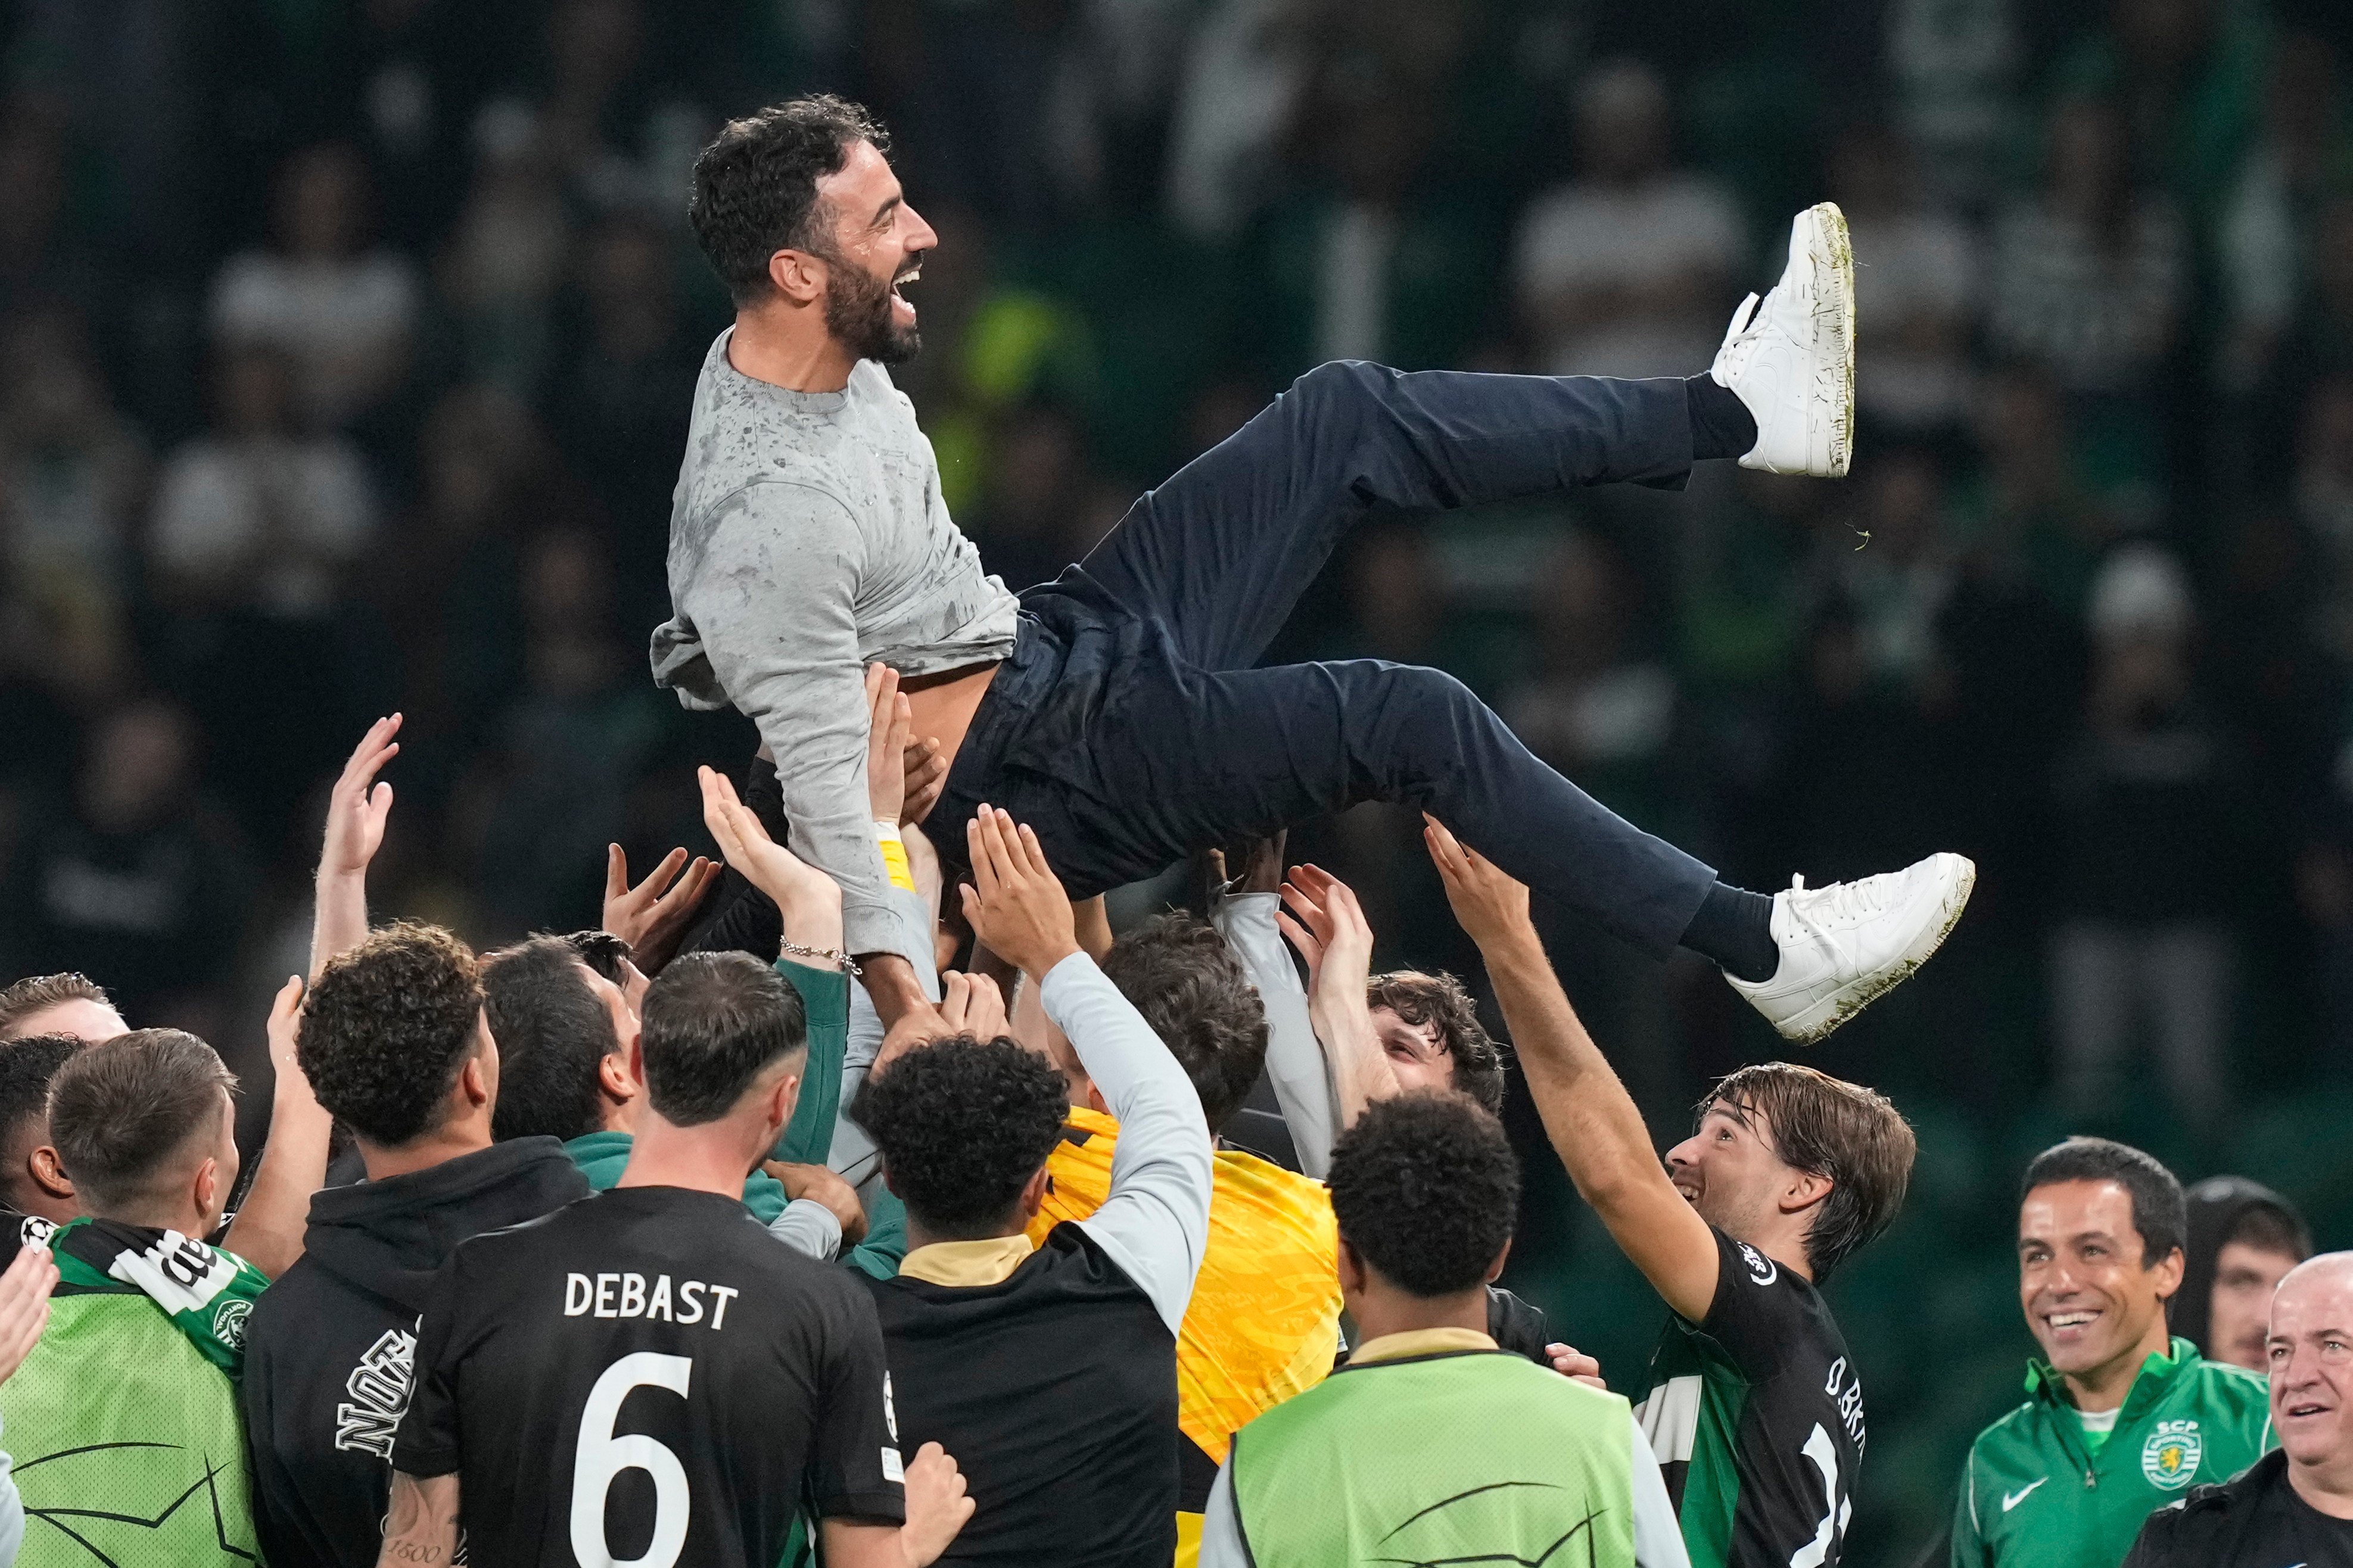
(1116, 708)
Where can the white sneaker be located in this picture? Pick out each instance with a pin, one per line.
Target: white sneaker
(1792, 359)
(1844, 945)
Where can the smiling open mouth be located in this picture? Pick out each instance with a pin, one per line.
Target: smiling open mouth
(907, 277)
(2061, 1321)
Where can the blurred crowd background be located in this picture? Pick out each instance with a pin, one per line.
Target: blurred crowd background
(345, 354)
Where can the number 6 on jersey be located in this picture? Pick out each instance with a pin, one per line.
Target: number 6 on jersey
(600, 1456)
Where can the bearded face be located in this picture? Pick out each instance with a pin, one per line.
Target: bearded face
(857, 313)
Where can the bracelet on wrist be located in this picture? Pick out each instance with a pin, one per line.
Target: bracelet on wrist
(829, 955)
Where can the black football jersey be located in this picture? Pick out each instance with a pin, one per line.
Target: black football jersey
(1755, 1415)
(648, 1376)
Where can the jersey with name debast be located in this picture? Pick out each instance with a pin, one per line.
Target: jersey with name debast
(646, 1375)
(1755, 1415)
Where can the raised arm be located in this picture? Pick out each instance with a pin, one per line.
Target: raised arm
(356, 813)
(268, 1228)
(1295, 1057)
(773, 604)
(1592, 1121)
(1155, 1221)
(1324, 921)
(653, 916)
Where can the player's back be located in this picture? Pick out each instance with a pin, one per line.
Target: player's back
(647, 1374)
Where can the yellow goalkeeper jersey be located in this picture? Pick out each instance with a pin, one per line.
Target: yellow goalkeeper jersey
(1264, 1321)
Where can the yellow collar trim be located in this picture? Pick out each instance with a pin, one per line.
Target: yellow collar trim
(989, 1261)
(1417, 1342)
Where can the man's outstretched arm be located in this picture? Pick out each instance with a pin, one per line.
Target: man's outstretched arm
(356, 813)
(1592, 1121)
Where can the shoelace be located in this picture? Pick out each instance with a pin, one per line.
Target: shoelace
(1850, 901)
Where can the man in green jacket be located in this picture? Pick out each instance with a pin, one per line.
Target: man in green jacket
(2120, 1417)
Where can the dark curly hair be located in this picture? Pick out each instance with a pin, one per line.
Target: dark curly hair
(756, 185)
(1441, 999)
(1426, 1190)
(712, 1023)
(121, 1112)
(1191, 989)
(962, 1124)
(386, 1028)
(553, 1033)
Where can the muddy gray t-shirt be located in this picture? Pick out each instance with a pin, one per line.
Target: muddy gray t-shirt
(807, 540)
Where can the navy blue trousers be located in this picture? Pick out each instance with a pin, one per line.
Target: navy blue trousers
(1130, 729)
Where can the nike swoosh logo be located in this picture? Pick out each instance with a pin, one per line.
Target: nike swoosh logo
(2012, 1500)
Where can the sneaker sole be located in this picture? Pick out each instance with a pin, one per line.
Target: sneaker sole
(1834, 318)
(1817, 1022)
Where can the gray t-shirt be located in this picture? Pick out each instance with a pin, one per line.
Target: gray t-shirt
(807, 540)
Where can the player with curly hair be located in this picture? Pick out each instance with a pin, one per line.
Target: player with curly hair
(396, 1043)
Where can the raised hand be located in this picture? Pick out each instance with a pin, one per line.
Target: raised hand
(1487, 903)
(652, 917)
(972, 1005)
(284, 1027)
(904, 776)
(919, 1024)
(359, 806)
(24, 1305)
(1014, 903)
(925, 765)
(1572, 1363)
(890, 725)
(809, 901)
(936, 1506)
(270, 1225)
(1322, 919)
(357, 809)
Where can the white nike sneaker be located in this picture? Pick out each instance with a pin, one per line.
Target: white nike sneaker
(1845, 945)
(1792, 359)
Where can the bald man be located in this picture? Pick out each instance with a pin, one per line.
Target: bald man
(2294, 1507)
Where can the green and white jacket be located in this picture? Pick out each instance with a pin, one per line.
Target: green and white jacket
(2036, 1494)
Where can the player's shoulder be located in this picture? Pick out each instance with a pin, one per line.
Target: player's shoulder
(296, 1296)
(497, 1247)
(2221, 1392)
(2021, 1429)
(2201, 1521)
(2225, 1380)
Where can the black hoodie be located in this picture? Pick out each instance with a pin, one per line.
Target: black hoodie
(329, 1345)
(2215, 1206)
